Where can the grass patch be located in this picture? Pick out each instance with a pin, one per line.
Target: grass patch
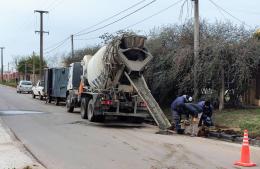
(239, 119)
(10, 83)
(234, 119)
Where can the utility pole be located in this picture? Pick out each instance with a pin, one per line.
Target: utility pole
(2, 64)
(72, 46)
(41, 39)
(196, 47)
(8, 73)
(33, 59)
(25, 71)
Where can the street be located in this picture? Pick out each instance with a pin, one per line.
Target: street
(61, 140)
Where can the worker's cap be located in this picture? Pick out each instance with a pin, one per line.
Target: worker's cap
(187, 98)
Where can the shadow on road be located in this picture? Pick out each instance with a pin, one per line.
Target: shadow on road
(108, 124)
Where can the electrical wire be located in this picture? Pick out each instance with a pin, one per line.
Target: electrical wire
(51, 4)
(225, 11)
(107, 19)
(181, 11)
(149, 17)
(55, 46)
(89, 38)
(102, 27)
(155, 14)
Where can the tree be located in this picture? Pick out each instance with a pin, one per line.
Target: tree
(79, 54)
(26, 63)
(228, 59)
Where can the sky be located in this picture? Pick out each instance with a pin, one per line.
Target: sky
(66, 17)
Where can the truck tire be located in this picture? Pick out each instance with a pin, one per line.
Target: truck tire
(83, 108)
(41, 97)
(49, 99)
(69, 106)
(33, 95)
(57, 101)
(92, 115)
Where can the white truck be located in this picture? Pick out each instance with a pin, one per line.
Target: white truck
(112, 84)
(38, 90)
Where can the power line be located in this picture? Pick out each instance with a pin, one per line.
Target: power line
(51, 4)
(102, 27)
(53, 49)
(106, 19)
(55, 46)
(151, 16)
(88, 38)
(219, 7)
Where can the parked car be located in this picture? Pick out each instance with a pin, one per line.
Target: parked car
(24, 86)
(38, 90)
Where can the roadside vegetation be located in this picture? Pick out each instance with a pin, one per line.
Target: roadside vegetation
(239, 120)
(10, 83)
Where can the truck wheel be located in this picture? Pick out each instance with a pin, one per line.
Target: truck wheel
(83, 108)
(33, 95)
(41, 97)
(57, 101)
(91, 116)
(48, 100)
(69, 106)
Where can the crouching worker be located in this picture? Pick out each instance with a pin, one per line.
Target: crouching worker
(177, 108)
(206, 117)
(193, 112)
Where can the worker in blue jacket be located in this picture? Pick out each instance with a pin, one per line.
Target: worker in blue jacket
(207, 110)
(177, 108)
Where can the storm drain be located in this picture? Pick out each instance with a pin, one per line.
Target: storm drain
(15, 112)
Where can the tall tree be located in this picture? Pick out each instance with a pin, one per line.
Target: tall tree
(26, 64)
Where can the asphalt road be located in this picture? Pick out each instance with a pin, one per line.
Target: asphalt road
(61, 140)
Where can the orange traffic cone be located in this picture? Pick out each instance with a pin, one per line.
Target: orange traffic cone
(245, 153)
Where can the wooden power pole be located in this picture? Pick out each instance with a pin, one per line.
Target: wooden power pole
(72, 46)
(2, 64)
(196, 47)
(41, 40)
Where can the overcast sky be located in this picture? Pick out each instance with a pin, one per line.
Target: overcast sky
(66, 17)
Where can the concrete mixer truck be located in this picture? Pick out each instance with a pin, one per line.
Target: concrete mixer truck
(113, 86)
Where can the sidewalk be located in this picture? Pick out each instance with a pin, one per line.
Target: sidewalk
(13, 154)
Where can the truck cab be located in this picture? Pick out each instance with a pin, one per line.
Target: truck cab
(72, 94)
